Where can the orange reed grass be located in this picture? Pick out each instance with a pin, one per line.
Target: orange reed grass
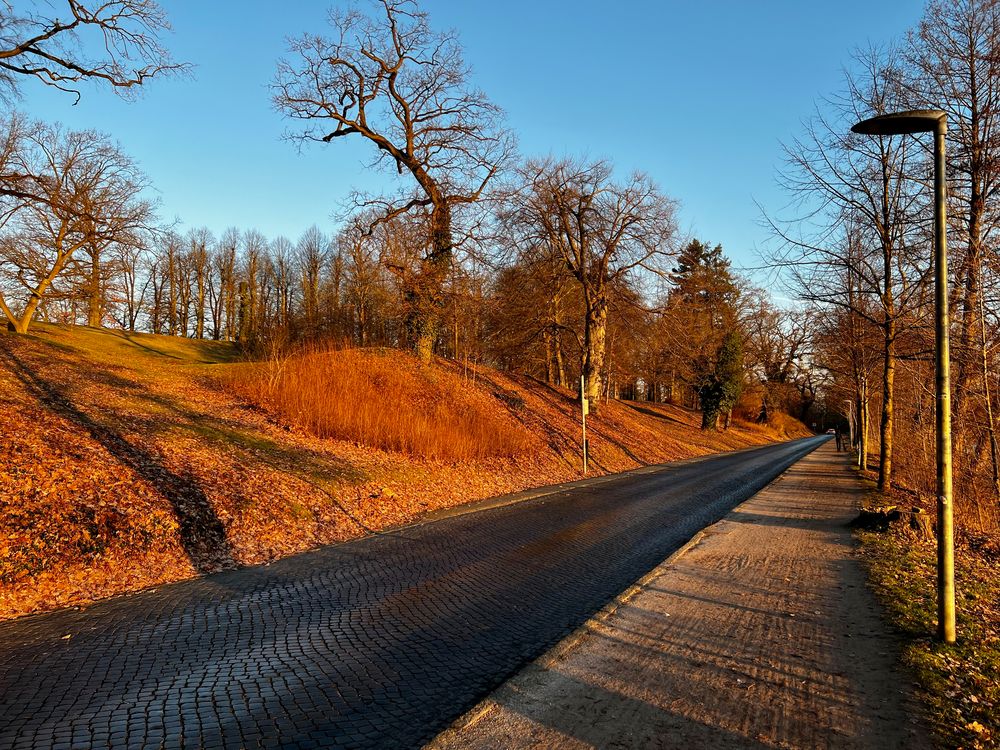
(384, 399)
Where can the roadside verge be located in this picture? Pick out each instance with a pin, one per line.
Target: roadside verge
(760, 633)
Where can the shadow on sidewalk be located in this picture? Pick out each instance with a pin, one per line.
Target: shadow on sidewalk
(649, 726)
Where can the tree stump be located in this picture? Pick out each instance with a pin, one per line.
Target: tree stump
(921, 523)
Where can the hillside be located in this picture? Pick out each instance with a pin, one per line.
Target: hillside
(129, 460)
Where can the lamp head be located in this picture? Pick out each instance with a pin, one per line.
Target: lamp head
(898, 123)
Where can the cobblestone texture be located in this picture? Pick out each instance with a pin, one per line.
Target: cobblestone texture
(378, 642)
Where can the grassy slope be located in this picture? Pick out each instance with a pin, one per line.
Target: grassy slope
(124, 464)
(960, 683)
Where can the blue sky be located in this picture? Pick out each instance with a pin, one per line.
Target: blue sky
(697, 94)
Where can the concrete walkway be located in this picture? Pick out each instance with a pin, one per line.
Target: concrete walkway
(761, 634)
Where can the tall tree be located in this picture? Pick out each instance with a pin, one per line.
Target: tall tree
(389, 79)
(199, 249)
(700, 309)
(954, 55)
(313, 250)
(720, 390)
(89, 193)
(604, 231)
(866, 184)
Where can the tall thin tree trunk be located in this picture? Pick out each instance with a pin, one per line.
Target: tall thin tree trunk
(428, 300)
(990, 422)
(863, 423)
(595, 334)
(550, 356)
(95, 291)
(888, 402)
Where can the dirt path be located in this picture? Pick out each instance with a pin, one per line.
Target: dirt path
(762, 634)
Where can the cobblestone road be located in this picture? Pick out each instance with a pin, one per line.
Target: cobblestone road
(379, 642)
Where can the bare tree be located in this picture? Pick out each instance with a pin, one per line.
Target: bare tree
(224, 307)
(89, 194)
(282, 259)
(954, 55)
(604, 231)
(312, 251)
(199, 247)
(114, 42)
(251, 288)
(365, 282)
(389, 79)
(532, 315)
(867, 185)
(135, 279)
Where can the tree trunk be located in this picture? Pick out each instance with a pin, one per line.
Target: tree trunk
(554, 343)
(710, 418)
(988, 397)
(560, 364)
(549, 356)
(95, 292)
(865, 434)
(971, 265)
(863, 416)
(886, 422)
(171, 292)
(62, 256)
(427, 297)
(363, 322)
(243, 314)
(594, 337)
(200, 304)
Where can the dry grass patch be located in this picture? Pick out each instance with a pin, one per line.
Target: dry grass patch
(383, 399)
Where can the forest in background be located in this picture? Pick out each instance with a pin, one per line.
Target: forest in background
(559, 268)
(856, 247)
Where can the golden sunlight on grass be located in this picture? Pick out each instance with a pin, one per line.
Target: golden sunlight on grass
(382, 399)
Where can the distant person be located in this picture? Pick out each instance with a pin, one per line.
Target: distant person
(840, 440)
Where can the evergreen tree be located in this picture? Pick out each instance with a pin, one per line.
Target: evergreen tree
(723, 385)
(700, 309)
(702, 278)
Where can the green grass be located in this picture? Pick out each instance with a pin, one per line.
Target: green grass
(961, 682)
(316, 468)
(136, 347)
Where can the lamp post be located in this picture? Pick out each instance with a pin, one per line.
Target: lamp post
(850, 422)
(935, 121)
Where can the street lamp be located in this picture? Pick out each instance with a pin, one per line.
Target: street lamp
(849, 403)
(936, 121)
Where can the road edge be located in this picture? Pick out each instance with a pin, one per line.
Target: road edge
(568, 644)
(534, 493)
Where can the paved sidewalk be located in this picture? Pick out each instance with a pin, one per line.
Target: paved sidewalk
(762, 634)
